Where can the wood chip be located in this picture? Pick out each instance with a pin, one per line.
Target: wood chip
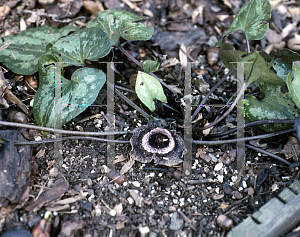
(57, 191)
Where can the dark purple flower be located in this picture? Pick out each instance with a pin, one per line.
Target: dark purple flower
(156, 143)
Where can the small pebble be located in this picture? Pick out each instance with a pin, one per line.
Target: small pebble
(130, 200)
(237, 195)
(152, 234)
(218, 167)
(251, 191)
(136, 184)
(233, 178)
(176, 221)
(112, 212)
(225, 222)
(144, 230)
(220, 178)
(218, 196)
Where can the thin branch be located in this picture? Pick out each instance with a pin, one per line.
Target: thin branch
(58, 131)
(268, 153)
(70, 138)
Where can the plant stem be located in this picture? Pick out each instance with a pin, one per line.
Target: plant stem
(128, 101)
(198, 142)
(255, 123)
(132, 91)
(211, 91)
(168, 71)
(244, 86)
(140, 65)
(247, 42)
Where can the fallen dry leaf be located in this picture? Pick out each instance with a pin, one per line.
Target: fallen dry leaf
(4, 10)
(58, 190)
(69, 226)
(200, 151)
(207, 131)
(291, 148)
(294, 43)
(183, 55)
(119, 209)
(119, 158)
(295, 12)
(41, 153)
(93, 7)
(16, 169)
(137, 198)
(127, 166)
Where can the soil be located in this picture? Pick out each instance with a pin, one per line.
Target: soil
(152, 198)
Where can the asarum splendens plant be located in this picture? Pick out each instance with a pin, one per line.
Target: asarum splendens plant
(152, 142)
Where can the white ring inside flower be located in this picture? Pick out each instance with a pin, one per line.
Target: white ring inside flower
(146, 145)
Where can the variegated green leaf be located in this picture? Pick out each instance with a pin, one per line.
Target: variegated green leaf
(294, 86)
(251, 19)
(275, 105)
(25, 49)
(119, 23)
(90, 43)
(76, 94)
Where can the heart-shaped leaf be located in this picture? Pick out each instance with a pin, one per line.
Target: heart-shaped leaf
(258, 70)
(90, 43)
(287, 55)
(150, 66)
(255, 66)
(275, 105)
(250, 19)
(25, 49)
(228, 55)
(294, 86)
(147, 89)
(76, 94)
(119, 23)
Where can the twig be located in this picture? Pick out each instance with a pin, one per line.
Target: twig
(12, 98)
(268, 153)
(58, 131)
(70, 138)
